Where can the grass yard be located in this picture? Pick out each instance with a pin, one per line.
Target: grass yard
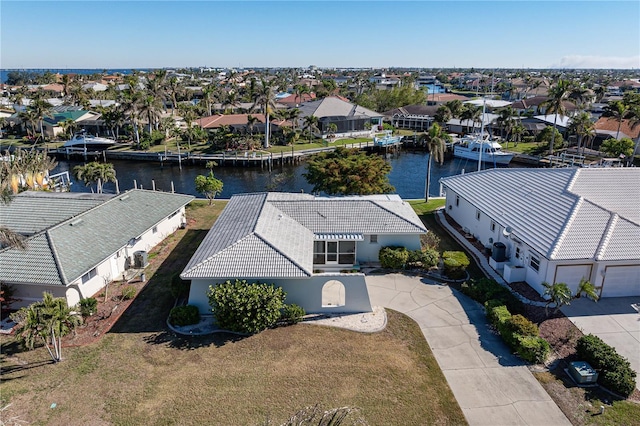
(141, 374)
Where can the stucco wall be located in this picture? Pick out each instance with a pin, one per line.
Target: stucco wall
(367, 251)
(304, 292)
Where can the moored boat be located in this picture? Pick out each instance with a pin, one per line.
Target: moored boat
(386, 139)
(486, 151)
(89, 142)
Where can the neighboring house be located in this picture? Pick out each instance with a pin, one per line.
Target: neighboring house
(535, 105)
(412, 117)
(303, 244)
(51, 124)
(461, 127)
(443, 98)
(293, 100)
(348, 117)
(239, 123)
(607, 127)
(78, 242)
(557, 225)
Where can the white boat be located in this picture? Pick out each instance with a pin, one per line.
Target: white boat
(83, 140)
(387, 139)
(471, 148)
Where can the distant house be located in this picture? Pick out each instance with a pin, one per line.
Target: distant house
(608, 127)
(51, 124)
(412, 117)
(348, 117)
(77, 242)
(239, 123)
(554, 225)
(303, 244)
(293, 100)
(535, 106)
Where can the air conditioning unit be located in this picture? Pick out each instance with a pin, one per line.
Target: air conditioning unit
(140, 259)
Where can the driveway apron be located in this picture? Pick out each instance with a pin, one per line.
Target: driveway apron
(492, 386)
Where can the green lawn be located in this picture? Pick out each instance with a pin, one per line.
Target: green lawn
(141, 374)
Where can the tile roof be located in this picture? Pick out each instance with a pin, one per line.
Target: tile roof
(270, 235)
(611, 124)
(333, 106)
(76, 245)
(561, 213)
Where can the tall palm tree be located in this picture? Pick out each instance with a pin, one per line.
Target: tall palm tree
(618, 110)
(265, 100)
(472, 113)
(209, 96)
(94, 172)
(42, 109)
(555, 104)
(251, 122)
(175, 89)
(582, 126)
(506, 121)
(311, 125)
(29, 117)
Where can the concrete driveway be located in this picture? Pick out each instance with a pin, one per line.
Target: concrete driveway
(492, 386)
(614, 320)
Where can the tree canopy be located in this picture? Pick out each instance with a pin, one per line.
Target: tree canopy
(208, 186)
(348, 172)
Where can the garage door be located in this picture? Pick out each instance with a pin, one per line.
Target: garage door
(572, 274)
(621, 281)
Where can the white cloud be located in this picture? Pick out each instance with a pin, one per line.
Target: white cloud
(579, 61)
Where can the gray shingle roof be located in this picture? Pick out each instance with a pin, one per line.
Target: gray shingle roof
(34, 211)
(271, 235)
(77, 245)
(561, 213)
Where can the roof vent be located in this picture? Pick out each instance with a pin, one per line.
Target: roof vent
(76, 222)
(124, 197)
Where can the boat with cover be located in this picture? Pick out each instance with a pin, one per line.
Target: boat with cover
(477, 149)
(89, 142)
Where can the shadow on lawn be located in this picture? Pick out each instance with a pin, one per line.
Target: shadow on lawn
(191, 342)
(150, 309)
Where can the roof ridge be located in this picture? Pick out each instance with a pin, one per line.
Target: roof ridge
(606, 237)
(572, 181)
(565, 229)
(267, 242)
(56, 258)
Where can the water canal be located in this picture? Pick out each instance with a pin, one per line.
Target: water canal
(408, 176)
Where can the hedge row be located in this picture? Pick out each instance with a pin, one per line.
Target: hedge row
(483, 290)
(518, 332)
(455, 264)
(394, 257)
(615, 372)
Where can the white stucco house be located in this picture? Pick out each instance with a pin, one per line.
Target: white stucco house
(557, 225)
(310, 246)
(79, 242)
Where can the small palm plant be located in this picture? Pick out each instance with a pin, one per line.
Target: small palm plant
(559, 294)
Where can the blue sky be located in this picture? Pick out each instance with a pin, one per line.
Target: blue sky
(462, 34)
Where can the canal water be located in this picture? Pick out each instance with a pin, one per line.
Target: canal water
(408, 176)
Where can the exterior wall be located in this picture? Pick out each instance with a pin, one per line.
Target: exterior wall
(26, 294)
(367, 252)
(304, 292)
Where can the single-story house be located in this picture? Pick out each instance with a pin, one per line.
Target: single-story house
(77, 242)
(239, 123)
(416, 117)
(348, 117)
(310, 246)
(535, 105)
(556, 225)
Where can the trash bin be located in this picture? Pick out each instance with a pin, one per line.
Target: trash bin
(143, 277)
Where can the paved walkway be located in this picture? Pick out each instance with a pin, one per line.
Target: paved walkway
(614, 320)
(492, 386)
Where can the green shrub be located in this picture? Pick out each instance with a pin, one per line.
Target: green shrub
(455, 264)
(532, 348)
(498, 315)
(246, 307)
(88, 306)
(128, 292)
(184, 315)
(615, 371)
(423, 258)
(179, 287)
(393, 257)
(293, 313)
(485, 289)
(523, 326)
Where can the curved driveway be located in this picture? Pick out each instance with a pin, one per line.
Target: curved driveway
(492, 386)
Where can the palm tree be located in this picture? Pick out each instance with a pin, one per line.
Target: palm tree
(29, 117)
(506, 121)
(48, 320)
(559, 294)
(231, 100)
(472, 113)
(311, 125)
(558, 95)
(41, 108)
(209, 95)
(618, 110)
(68, 127)
(251, 122)
(436, 143)
(99, 173)
(265, 99)
(174, 88)
(582, 126)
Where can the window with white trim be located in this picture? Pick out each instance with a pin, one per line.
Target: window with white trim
(534, 263)
(89, 275)
(337, 252)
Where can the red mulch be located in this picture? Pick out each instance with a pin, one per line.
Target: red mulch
(108, 312)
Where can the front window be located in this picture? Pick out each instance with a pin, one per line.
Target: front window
(336, 252)
(534, 263)
(86, 277)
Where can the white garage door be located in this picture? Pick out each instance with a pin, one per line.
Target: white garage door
(572, 274)
(621, 281)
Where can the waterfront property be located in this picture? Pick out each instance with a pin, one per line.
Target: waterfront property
(554, 225)
(77, 243)
(349, 118)
(312, 247)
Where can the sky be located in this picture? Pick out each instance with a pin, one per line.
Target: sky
(328, 34)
